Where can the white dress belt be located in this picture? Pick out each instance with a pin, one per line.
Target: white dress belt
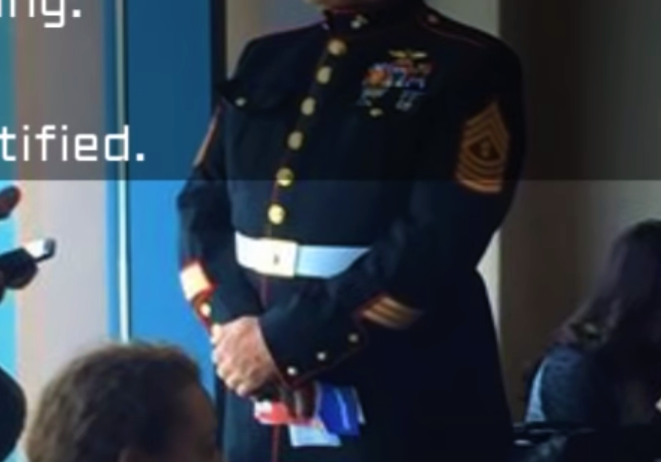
(282, 258)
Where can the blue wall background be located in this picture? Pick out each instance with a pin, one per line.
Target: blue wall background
(7, 227)
(169, 105)
(112, 126)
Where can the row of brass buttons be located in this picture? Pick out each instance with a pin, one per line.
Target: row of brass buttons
(285, 176)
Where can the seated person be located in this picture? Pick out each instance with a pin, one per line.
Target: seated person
(134, 403)
(604, 367)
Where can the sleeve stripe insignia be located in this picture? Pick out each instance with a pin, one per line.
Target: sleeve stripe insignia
(208, 139)
(194, 281)
(391, 314)
(483, 153)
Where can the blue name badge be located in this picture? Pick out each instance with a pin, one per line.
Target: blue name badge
(339, 410)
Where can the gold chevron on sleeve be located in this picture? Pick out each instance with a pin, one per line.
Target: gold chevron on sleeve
(194, 281)
(391, 314)
(484, 151)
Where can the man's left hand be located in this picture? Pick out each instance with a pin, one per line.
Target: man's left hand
(241, 356)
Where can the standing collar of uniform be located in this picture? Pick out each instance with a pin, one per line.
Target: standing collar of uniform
(368, 18)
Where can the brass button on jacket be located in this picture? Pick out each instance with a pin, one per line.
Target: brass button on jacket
(285, 177)
(324, 74)
(337, 47)
(308, 106)
(295, 140)
(277, 214)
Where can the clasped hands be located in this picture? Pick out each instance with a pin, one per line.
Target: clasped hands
(241, 356)
(244, 363)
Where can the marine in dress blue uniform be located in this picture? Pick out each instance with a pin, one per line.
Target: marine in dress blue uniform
(352, 177)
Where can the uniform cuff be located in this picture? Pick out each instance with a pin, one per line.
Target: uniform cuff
(195, 283)
(304, 342)
(217, 303)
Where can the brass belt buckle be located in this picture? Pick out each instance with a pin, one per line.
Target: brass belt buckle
(280, 258)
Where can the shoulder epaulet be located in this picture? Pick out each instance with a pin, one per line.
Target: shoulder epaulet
(446, 28)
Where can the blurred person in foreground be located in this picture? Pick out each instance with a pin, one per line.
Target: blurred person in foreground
(13, 404)
(136, 403)
(354, 174)
(604, 368)
(12, 414)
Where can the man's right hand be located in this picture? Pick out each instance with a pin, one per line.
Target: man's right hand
(241, 356)
(301, 402)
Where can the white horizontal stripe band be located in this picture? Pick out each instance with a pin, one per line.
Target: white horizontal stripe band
(273, 257)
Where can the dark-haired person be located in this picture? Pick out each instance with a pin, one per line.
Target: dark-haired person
(604, 368)
(136, 403)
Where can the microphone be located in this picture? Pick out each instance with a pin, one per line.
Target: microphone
(12, 411)
(18, 268)
(9, 199)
